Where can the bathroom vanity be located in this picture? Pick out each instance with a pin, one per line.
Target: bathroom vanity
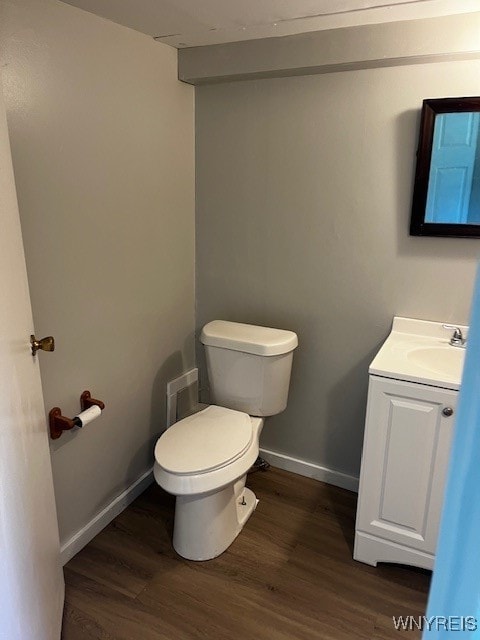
(413, 388)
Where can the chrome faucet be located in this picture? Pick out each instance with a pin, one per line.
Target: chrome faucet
(457, 339)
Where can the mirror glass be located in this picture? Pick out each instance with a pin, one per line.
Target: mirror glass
(447, 183)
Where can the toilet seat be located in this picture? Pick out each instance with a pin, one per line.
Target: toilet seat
(204, 442)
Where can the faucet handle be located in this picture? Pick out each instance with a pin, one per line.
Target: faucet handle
(457, 331)
(457, 339)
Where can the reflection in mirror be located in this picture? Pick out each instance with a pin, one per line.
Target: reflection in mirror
(446, 199)
(454, 180)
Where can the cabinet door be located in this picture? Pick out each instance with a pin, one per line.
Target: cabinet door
(404, 462)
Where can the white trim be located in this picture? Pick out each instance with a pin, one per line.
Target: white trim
(372, 550)
(173, 387)
(72, 546)
(310, 470)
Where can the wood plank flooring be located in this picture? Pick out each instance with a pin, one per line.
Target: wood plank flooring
(289, 575)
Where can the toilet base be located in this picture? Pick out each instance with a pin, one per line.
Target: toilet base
(206, 525)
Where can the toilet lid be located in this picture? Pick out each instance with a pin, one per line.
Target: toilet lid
(205, 441)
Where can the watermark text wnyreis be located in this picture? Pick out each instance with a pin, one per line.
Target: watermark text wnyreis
(435, 623)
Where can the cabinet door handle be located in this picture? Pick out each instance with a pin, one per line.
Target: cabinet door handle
(447, 412)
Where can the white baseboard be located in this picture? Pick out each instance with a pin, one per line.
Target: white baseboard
(72, 546)
(310, 470)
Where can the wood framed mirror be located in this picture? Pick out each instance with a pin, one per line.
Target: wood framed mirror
(446, 195)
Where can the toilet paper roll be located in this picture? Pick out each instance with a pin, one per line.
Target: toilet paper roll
(87, 416)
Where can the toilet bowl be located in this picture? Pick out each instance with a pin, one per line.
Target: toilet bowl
(203, 459)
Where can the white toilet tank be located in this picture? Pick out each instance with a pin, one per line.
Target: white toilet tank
(248, 366)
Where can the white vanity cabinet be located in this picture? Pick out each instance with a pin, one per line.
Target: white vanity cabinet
(407, 440)
(412, 397)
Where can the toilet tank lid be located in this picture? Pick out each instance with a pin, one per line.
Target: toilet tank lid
(249, 338)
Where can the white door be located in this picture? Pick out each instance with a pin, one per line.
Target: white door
(452, 165)
(404, 462)
(31, 579)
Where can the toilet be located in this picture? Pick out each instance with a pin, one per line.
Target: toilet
(203, 459)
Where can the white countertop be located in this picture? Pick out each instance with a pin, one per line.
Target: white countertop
(419, 351)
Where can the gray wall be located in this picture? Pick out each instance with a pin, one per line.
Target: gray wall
(443, 38)
(102, 141)
(304, 188)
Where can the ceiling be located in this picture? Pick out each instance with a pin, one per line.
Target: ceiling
(190, 23)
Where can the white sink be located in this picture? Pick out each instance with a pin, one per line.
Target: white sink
(420, 351)
(447, 361)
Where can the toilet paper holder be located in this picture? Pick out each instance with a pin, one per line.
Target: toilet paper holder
(59, 423)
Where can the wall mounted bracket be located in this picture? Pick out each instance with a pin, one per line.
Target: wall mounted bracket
(59, 423)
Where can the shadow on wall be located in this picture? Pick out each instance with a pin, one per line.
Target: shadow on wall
(407, 131)
(343, 412)
(171, 368)
(203, 383)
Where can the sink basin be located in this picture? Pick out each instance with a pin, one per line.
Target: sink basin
(419, 351)
(447, 361)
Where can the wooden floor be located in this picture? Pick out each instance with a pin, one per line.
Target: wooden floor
(289, 575)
